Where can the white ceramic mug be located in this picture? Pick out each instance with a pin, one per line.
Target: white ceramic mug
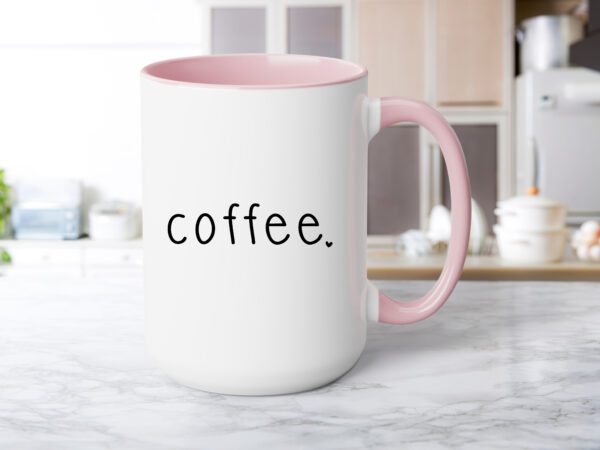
(255, 200)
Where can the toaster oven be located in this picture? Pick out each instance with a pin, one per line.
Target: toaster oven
(46, 222)
(48, 209)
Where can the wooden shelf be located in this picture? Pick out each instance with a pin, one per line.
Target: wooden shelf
(383, 263)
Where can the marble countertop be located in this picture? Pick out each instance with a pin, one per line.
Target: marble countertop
(503, 365)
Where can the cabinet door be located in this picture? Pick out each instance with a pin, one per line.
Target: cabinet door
(113, 262)
(52, 259)
(238, 30)
(479, 144)
(44, 256)
(315, 30)
(392, 46)
(394, 180)
(470, 47)
(113, 257)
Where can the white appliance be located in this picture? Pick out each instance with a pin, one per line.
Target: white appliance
(47, 209)
(113, 221)
(558, 138)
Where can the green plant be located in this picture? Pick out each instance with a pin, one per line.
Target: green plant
(4, 204)
(4, 257)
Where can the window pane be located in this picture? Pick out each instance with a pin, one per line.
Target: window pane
(393, 205)
(479, 143)
(238, 30)
(315, 31)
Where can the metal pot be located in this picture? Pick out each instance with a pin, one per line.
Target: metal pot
(545, 41)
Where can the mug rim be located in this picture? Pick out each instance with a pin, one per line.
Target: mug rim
(254, 71)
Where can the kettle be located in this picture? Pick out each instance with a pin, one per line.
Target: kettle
(545, 41)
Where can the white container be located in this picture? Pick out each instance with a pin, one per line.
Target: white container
(116, 221)
(531, 213)
(545, 41)
(531, 246)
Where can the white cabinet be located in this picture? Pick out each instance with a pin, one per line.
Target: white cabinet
(113, 261)
(471, 42)
(238, 30)
(308, 27)
(43, 255)
(392, 46)
(81, 257)
(43, 258)
(456, 55)
(315, 30)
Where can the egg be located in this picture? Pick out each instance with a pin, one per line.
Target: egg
(590, 228)
(583, 252)
(586, 240)
(594, 253)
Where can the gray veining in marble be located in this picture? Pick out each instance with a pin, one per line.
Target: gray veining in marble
(503, 365)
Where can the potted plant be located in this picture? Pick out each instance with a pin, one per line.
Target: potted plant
(4, 217)
(4, 206)
(4, 257)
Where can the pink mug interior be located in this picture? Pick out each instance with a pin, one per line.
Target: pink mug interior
(256, 71)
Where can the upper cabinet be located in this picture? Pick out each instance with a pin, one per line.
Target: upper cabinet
(238, 30)
(315, 30)
(470, 44)
(392, 46)
(450, 53)
(456, 55)
(307, 27)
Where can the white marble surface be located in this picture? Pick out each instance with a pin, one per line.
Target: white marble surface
(503, 365)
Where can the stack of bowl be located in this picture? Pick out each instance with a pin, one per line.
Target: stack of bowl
(531, 229)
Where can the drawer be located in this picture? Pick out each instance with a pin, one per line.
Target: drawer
(113, 257)
(45, 256)
(113, 272)
(44, 271)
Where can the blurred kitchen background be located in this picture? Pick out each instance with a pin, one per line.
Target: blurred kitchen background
(518, 79)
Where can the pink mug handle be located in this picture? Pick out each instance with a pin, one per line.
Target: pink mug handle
(389, 111)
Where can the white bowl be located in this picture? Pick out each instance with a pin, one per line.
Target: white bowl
(531, 246)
